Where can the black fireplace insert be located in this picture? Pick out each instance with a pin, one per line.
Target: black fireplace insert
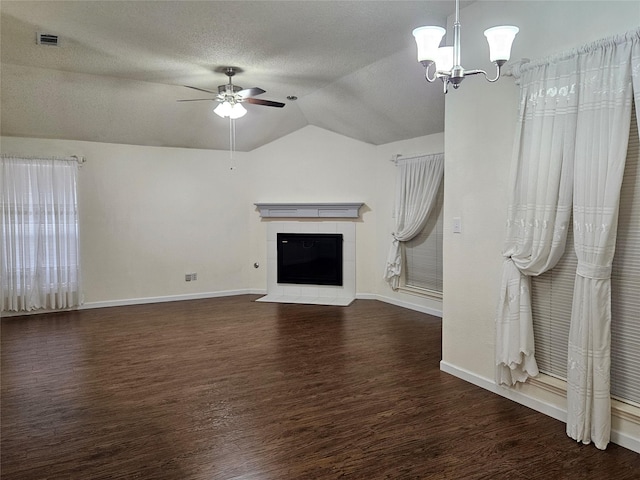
(310, 258)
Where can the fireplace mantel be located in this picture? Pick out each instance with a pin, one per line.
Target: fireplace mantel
(309, 210)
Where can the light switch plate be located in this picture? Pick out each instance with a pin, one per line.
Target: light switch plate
(457, 225)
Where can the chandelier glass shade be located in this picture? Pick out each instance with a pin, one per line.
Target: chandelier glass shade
(446, 60)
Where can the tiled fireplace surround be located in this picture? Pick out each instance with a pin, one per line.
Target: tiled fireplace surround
(326, 215)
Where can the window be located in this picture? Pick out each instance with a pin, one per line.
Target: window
(39, 253)
(423, 254)
(552, 294)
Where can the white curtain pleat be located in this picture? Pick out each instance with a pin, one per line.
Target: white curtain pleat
(417, 186)
(40, 255)
(539, 211)
(602, 133)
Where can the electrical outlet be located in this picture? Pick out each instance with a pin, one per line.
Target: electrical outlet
(194, 276)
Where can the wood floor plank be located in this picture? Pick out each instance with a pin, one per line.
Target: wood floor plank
(230, 388)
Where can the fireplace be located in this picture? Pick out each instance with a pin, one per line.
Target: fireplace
(328, 285)
(309, 258)
(312, 293)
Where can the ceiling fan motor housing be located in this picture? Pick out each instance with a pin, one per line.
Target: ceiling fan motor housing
(228, 89)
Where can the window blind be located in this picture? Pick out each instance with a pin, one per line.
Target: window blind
(423, 253)
(625, 281)
(552, 294)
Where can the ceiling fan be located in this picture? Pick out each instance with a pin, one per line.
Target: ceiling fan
(231, 97)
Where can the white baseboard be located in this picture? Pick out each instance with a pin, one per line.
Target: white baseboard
(169, 298)
(400, 303)
(619, 438)
(225, 293)
(229, 293)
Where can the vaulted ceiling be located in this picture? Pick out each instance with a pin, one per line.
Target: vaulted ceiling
(121, 66)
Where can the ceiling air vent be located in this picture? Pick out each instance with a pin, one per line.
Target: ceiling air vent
(47, 39)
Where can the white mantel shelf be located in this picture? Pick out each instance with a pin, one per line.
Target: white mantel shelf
(309, 210)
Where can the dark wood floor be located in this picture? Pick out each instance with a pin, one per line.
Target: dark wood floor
(234, 389)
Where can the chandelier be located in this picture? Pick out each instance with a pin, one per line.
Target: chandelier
(446, 60)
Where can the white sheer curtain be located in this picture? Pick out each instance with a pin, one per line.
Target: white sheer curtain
(39, 252)
(417, 184)
(597, 79)
(602, 134)
(540, 207)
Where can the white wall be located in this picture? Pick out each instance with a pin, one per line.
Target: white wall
(148, 215)
(151, 214)
(479, 129)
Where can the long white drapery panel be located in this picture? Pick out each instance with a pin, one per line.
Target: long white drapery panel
(417, 184)
(539, 211)
(39, 252)
(598, 78)
(602, 133)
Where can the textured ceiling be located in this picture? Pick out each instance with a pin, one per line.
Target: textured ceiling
(121, 66)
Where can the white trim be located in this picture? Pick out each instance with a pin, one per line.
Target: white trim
(225, 293)
(170, 298)
(141, 301)
(309, 210)
(401, 303)
(420, 292)
(620, 438)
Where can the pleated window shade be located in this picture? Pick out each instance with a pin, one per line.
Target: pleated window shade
(423, 253)
(552, 294)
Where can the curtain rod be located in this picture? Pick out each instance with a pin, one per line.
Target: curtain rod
(397, 156)
(78, 158)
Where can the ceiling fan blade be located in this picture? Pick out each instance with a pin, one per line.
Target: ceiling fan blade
(202, 90)
(197, 100)
(266, 103)
(251, 92)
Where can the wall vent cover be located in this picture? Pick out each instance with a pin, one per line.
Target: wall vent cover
(47, 39)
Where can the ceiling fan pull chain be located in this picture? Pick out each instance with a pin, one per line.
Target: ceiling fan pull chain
(232, 138)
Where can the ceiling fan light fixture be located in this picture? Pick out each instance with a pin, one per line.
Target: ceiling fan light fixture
(237, 111)
(223, 110)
